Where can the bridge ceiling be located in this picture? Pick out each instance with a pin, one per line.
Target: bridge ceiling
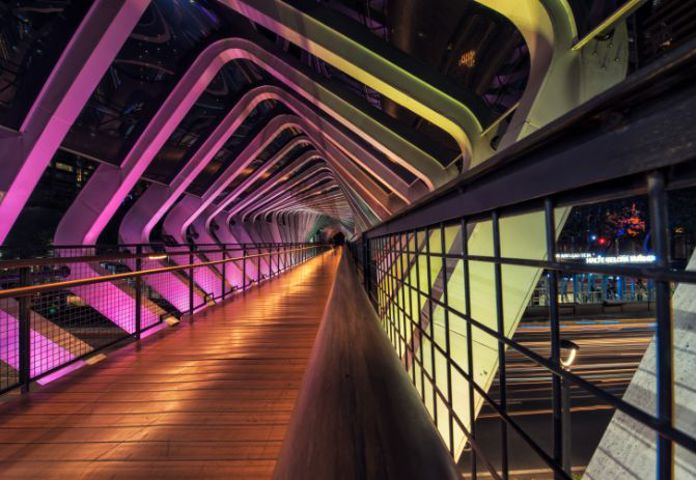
(376, 152)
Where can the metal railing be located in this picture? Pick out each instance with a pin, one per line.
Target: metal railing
(57, 311)
(417, 267)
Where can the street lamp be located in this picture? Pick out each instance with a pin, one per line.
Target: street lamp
(569, 352)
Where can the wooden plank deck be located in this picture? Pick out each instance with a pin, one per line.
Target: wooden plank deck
(211, 399)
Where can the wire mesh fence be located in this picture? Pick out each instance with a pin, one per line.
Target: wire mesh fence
(57, 310)
(450, 297)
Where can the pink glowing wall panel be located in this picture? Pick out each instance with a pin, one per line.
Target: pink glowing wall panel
(173, 288)
(233, 275)
(45, 354)
(227, 236)
(117, 303)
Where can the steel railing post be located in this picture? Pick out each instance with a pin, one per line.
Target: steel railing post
(366, 264)
(559, 393)
(191, 280)
(138, 291)
(24, 333)
(224, 270)
(258, 264)
(502, 374)
(469, 343)
(244, 274)
(664, 366)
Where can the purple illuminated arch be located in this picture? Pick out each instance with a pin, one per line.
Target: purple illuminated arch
(267, 190)
(81, 66)
(303, 202)
(94, 206)
(256, 175)
(190, 207)
(292, 191)
(26, 154)
(240, 231)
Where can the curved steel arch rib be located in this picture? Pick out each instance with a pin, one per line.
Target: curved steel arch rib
(307, 185)
(226, 216)
(290, 197)
(202, 224)
(256, 175)
(379, 66)
(148, 210)
(287, 188)
(92, 210)
(25, 155)
(212, 213)
(115, 182)
(328, 205)
(560, 78)
(79, 70)
(227, 234)
(190, 207)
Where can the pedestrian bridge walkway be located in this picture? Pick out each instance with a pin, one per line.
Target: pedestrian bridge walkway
(208, 399)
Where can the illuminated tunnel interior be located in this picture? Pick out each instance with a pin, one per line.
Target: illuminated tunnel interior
(486, 185)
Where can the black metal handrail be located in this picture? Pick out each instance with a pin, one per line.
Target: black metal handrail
(587, 156)
(33, 289)
(141, 253)
(130, 251)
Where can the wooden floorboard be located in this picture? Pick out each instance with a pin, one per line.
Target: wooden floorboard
(208, 399)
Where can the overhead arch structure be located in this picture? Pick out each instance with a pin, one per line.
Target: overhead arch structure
(346, 165)
(382, 68)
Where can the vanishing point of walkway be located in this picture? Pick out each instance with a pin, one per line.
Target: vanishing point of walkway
(211, 399)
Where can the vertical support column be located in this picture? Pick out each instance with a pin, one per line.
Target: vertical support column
(413, 325)
(365, 264)
(401, 284)
(561, 448)
(391, 296)
(279, 268)
(24, 333)
(502, 377)
(663, 340)
(138, 292)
